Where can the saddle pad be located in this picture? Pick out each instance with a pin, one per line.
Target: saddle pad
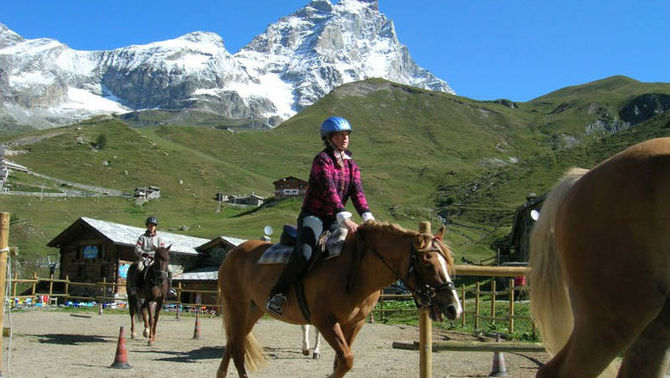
(281, 253)
(276, 254)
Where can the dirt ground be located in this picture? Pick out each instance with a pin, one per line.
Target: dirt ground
(47, 343)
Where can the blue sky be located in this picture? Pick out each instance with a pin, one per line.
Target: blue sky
(484, 49)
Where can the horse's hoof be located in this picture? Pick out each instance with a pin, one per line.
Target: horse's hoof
(132, 335)
(146, 333)
(150, 343)
(316, 356)
(305, 352)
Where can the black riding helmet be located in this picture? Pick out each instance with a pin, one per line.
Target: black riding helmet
(151, 220)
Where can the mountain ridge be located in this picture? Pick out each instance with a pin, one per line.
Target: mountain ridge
(293, 63)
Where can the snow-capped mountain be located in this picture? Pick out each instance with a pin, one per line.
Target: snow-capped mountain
(292, 64)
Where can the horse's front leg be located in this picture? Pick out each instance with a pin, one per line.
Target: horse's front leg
(154, 325)
(344, 358)
(146, 316)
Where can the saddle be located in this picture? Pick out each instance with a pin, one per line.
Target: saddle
(330, 243)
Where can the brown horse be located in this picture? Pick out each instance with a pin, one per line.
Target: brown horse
(153, 288)
(600, 258)
(340, 292)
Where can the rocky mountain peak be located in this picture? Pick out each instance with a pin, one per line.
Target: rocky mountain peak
(293, 63)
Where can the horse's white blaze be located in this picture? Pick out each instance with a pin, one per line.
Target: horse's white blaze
(443, 262)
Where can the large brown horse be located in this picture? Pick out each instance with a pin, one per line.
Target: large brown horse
(600, 258)
(340, 292)
(152, 291)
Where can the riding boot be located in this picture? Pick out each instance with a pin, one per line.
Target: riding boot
(308, 230)
(294, 269)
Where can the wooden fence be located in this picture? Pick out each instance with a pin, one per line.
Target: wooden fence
(106, 290)
(485, 301)
(477, 295)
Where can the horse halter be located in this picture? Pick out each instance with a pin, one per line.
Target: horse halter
(423, 293)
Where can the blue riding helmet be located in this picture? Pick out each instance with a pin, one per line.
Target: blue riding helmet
(334, 125)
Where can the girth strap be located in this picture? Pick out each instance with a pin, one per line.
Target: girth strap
(302, 300)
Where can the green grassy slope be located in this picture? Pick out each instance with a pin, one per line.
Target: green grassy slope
(421, 153)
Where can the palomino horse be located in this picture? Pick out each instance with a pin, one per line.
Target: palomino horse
(153, 289)
(340, 292)
(600, 258)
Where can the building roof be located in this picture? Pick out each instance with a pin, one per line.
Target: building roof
(288, 178)
(206, 273)
(224, 240)
(127, 235)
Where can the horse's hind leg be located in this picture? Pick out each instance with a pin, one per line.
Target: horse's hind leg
(649, 356)
(237, 335)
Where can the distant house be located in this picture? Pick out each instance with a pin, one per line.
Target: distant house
(290, 187)
(250, 200)
(148, 192)
(92, 250)
(6, 166)
(205, 276)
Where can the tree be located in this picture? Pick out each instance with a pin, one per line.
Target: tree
(101, 142)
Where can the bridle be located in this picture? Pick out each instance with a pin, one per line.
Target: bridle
(160, 274)
(423, 293)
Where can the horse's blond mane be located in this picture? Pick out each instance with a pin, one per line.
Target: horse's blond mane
(395, 229)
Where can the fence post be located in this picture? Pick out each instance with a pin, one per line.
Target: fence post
(16, 283)
(67, 288)
(511, 306)
(425, 329)
(104, 290)
(4, 251)
(463, 304)
(477, 305)
(51, 285)
(493, 298)
(34, 284)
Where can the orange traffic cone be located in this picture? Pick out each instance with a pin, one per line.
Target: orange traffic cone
(196, 331)
(498, 369)
(121, 359)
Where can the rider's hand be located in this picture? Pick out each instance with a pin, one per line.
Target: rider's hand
(350, 225)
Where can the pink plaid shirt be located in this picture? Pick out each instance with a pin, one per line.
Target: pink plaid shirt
(331, 186)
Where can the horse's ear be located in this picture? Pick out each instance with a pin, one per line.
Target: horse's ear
(168, 247)
(440, 233)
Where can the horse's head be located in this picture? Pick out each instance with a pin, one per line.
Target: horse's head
(162, 257)
(429, 278)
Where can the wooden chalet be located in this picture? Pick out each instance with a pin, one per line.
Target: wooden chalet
(205, 276)
(290, 187)
(92, 250)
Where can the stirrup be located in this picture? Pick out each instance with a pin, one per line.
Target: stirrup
(172, 293)
(276, 304)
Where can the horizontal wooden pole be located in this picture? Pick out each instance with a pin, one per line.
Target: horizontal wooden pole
(491, 271)
(474, 346)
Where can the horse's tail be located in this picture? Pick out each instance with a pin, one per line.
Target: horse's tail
(549, 298)
(254, 355)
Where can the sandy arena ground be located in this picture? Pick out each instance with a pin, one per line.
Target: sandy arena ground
(61, 344)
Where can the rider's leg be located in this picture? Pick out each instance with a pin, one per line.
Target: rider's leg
(309, 229)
